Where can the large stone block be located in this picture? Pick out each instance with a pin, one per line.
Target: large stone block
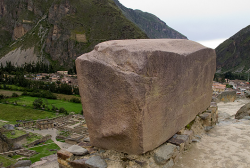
(136, 94)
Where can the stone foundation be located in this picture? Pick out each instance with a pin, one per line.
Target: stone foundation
(165, 155)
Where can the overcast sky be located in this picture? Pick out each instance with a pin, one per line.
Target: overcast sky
(209, 22)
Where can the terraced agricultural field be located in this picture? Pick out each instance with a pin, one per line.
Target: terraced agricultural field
(11, 113)
(28, 101)
(9, 92)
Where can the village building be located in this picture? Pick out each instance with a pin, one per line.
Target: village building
(62, 72)
(218, 87)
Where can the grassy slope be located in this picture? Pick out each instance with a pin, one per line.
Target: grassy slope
(7, 161)
(17, 134)
(149, 23)
(28, 101)
(44, 151)
(234, 52)
(12, 113)
(98, 20)
(32, 38)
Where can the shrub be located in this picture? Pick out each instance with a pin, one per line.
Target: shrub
(75, 100)
(15, 95)
(25, 93)
(62, 110)
(229, 86)
(54, 108)
(38, 103)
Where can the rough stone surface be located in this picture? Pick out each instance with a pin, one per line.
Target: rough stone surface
(204, 116)
(63, 154)
(246, 117)
(9, 127)
(163, 153)
(227, 96)
(79, 163)
(208, 128)
(77, 150)
(22, 163)
(243, 111)
(169, 164)
(127, 86)
(96, 162)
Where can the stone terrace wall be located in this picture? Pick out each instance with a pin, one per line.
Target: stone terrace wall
(136, 94)
(43, 139)
(15, 140)
(4, 146)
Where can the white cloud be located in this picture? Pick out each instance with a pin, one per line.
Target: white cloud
(212, 43)
(198, 19)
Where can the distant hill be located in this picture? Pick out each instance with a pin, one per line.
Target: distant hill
(58, 31)
(234, 53)
(150, 24)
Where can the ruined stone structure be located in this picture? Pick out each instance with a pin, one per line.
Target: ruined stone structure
(28, 124)
(136, 94)
(44, 124)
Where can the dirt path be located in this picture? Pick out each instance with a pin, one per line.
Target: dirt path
(225, 146)
(62, 145)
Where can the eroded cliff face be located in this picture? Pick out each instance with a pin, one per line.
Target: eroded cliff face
(61, 30)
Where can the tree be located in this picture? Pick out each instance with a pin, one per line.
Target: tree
(62, 110)
(15, 95)
(38, 103)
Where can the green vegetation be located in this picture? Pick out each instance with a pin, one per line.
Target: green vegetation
(16, 156)
(64, 133)
(98, 20)
(38, 88)
(2, 124)
(233, 54)
(145, 21)
(38, 103)
(44, 150)
(12, 113)
(65, 97)
(28, 101)
(60, 140)
(11, 89)
(18, 133)
(190, 125)
(33, 137)
(229, 86)
(7, 161)
(220, 77)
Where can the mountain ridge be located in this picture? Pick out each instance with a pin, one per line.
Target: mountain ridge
(58, 31)
(149, 23)
(233, 53)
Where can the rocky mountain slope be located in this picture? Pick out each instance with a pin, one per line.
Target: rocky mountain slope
(58, 31)
(150, 24)
(234, 53)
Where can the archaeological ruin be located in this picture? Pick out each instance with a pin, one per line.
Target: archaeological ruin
(136, 94)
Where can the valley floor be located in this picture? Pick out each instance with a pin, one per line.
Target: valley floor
(225, 146)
